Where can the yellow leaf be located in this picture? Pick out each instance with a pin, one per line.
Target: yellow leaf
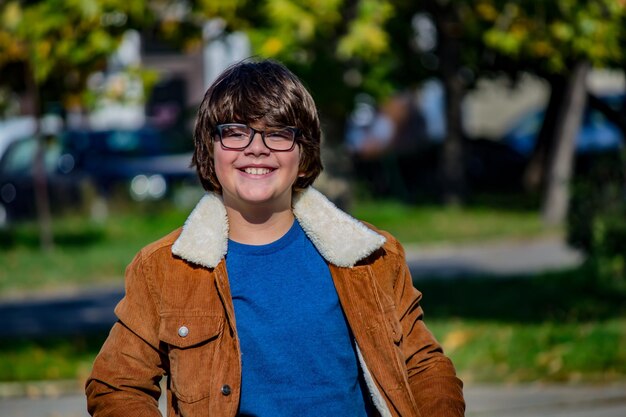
(272, 47)
(12, 15)
(43, 49)
(561, 31)
(486, 11)
(541, 48)
(456, 339)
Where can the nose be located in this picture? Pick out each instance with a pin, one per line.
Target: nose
(257, 146)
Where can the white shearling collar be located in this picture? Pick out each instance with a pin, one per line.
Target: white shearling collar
(339, 238)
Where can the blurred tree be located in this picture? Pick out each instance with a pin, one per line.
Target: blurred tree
(442, 39)
(343, 47)
(47, 49)
(458, 62)
(560, 41)
(335, 46)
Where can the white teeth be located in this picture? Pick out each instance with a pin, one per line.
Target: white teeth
(257, 171)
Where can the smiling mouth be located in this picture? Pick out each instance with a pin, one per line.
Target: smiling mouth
(257, 171)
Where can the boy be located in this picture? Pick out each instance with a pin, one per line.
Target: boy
(269, 301)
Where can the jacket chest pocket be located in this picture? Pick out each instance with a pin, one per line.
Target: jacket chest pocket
(395, 328)
(192, 342)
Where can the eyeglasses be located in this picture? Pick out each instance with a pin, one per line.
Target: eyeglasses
(239, 136)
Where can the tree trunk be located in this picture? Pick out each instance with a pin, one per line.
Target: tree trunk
(536, 171)
(40, 180)
(452, 162)
(561, 157)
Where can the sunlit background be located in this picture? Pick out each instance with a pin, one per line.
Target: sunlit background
(488, 136)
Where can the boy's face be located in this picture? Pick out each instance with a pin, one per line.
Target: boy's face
(256, 175)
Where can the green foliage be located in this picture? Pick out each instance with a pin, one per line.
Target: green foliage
(366, 37)
(608, 258)
(62, 40)
(338, 47)
(597, 218)
(290, 30)
(551, 35)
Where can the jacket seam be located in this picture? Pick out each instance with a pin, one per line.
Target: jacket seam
(149, 284)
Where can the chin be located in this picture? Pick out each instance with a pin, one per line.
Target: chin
(260, 197)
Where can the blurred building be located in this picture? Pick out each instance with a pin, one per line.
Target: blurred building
(491, 108)
(182, 79)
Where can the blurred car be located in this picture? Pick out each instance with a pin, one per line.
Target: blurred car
(14, 129)
(145, 163)
(596, 134)
(17, 189)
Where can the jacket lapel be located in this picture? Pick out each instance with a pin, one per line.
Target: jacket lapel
(339, 238)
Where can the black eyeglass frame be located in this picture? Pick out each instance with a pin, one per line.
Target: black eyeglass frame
(218, 132)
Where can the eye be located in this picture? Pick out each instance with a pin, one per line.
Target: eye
(282, 134)
(235, 132)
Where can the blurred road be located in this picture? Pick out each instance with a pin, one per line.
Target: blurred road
(499, 258)
(482, 401)
(546, 401)
(76, 311)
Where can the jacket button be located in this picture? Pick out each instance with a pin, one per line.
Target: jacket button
(183, 331)
(225, 389)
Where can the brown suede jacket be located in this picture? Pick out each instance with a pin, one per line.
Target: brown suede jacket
(177, 320)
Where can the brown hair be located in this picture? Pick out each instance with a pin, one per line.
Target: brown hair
(249, 92)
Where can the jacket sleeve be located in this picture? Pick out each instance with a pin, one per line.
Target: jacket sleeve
(126, 373)
(432, 377)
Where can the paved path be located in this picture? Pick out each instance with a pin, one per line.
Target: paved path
(500, 258)
(546, 401)
(65, 312)
(482, 401)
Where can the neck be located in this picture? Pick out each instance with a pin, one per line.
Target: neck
(258, 227)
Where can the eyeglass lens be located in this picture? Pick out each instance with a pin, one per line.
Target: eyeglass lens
(239, 136)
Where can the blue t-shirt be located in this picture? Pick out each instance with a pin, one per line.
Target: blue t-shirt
(298, 354)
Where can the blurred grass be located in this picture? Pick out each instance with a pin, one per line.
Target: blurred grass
(85, 252)
(428, 224)
(554, 327)
(53, 358)
(566, 326)
(491, 351)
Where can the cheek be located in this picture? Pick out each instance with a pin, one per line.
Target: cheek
(220, 163)
(301, 166)
(296, 162)
(297, 156)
